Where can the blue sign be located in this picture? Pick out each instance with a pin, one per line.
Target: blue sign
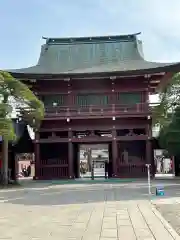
(159, 191)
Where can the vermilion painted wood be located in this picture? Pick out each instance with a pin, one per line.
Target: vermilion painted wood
(93, 117)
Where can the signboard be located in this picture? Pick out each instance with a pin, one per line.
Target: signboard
(164, 164)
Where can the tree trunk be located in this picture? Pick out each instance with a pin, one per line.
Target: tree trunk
(5, 177)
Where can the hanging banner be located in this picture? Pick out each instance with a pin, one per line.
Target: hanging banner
(164, 164)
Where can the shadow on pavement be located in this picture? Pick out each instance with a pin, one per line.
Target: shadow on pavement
(44, 195)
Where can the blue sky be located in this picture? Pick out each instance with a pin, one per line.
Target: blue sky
(23, 23)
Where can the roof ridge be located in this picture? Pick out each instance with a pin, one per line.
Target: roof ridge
(90, 38)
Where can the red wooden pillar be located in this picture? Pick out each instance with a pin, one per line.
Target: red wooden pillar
(37, 156)
(148, 143)
(114, 153)
(113, 94)
(70, 96)
(148, 152)
(70, 155)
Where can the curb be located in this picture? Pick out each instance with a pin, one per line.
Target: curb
(165, 223)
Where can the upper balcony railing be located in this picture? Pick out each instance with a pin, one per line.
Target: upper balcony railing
(98, 110)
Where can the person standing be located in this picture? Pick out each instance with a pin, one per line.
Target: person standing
(28, 171)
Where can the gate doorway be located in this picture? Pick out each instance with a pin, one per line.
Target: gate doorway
(93, 160)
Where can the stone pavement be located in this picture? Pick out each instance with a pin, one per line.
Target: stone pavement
(86, 212)
(170, 210)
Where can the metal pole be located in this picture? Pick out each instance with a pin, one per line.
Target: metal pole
(149, 179)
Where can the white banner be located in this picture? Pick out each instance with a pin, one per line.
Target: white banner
(164, 163)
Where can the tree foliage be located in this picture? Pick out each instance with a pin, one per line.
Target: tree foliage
(169, 137)
(14, 93)
(169, 100)
(167, 116)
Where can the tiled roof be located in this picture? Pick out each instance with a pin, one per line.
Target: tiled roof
(92, 55)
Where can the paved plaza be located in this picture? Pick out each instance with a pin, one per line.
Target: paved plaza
(170, 210)
(84, 211)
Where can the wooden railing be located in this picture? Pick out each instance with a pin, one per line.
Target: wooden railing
(98, 110)
(53, 172)
(54, 161)
(133, 170)
(53, 169)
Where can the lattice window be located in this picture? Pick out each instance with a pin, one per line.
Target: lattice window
(86, 100)
(54, 100)
(129, 98)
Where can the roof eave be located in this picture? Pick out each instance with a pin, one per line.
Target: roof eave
(167, 68)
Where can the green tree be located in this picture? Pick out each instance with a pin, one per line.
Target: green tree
(169, 137)
(169, 101)
(167, 116)
(15, 94)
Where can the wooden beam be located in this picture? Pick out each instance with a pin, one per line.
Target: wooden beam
(164, 81)
(119, 89)
(94, 127)
(118, 116)
(94, 139)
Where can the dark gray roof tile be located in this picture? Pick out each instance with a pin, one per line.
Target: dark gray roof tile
(91, 55)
